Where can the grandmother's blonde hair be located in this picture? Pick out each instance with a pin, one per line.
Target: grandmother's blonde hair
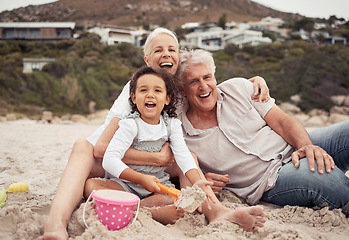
(156, 32)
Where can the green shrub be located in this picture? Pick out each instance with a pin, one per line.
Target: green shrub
(86, 70)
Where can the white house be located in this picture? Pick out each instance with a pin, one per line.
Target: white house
(31, 65)
(245, 37)
(114, 35)
(215, 38)
(267, 23)
(36, 30)
(210, 39)
(270, 24)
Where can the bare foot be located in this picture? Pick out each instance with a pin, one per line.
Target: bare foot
(248, 218)
(54, 232)
(166, 214)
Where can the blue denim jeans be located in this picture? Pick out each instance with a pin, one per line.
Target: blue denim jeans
(301, 187)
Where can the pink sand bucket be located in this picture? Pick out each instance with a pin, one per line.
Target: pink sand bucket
(114, 208)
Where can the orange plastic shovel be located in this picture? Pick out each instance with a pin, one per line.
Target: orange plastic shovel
(185, 203)
(170, 190)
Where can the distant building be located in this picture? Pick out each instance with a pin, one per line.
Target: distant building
(215, 38)
(335, 40)
(35, 64)
(319, 36)
(245, 37)
(208, 38)
(268, 23)
(271, 25)
(301, 34)
(114, 35)
(36, 30)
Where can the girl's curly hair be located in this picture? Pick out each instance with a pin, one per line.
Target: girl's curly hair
(171, 88)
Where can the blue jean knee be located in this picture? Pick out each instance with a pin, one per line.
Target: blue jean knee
(334, 140)
(301, 187)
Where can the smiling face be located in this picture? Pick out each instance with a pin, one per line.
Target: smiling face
(200, 88)
(164, 54)
(150, 97)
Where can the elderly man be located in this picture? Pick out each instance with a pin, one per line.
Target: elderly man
(256, 150)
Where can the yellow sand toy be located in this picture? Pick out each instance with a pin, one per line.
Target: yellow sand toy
(13, 188)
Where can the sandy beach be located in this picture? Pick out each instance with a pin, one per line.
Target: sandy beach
(36, 153)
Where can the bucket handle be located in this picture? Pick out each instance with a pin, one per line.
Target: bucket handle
(139, 201)
(83, 212)
(87, 201)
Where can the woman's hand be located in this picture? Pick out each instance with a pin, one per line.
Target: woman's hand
(261, 90)
(165, 156)
(219, 181)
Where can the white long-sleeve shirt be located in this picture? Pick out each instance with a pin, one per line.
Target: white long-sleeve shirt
(129, 132)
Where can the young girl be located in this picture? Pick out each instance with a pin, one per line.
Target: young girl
(151, 123)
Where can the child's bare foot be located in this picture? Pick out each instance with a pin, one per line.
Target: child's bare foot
(248, 218)
(54, 232)
(166, 214)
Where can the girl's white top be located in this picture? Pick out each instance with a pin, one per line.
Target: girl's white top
(129, 132)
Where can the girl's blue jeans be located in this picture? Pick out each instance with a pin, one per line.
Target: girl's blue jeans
(301, 187)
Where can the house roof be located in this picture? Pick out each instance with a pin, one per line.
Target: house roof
(38, 59)
(37, 25)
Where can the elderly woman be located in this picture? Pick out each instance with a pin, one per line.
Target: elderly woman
(260, 153)
(161, 51)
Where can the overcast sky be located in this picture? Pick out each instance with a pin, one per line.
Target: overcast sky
(11, 4)
(311, 8)
(308, 8)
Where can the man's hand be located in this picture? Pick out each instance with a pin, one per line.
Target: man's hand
(312, 152)
(165, 156)
(219, 181)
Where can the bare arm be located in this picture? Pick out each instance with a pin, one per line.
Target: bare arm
(194, 177)
(261, 90)
(105, 138)
(132, 156)
(296, 135)
(148, 182)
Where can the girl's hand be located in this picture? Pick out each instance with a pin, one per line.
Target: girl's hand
(148, 182)
(210, 196)
(261, 90)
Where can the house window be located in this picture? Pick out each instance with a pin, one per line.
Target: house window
(35, 34)
(22, 34)
(35, 67)
(62, 34)
(9, 34)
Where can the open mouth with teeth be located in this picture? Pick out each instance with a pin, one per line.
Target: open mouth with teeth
(150, 105)
(205, 95)
(166, 65)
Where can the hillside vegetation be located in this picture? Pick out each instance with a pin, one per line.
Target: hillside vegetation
(316, 72)
(86, 70)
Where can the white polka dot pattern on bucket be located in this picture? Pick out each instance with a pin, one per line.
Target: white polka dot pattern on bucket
(115, 208)
(112, 216)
